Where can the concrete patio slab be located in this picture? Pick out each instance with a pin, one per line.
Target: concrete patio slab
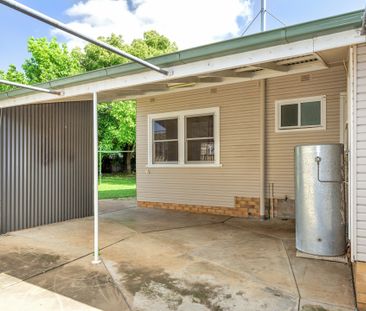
(83, 282)
(166, 260)
(151, 271)
(322, 281)
(23, 258)
(255, 256)
(283, 229)
(24, 296)
(148, 220)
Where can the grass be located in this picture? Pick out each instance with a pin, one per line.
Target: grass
(117, 186)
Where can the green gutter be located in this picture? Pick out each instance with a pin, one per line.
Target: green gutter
(256, 41)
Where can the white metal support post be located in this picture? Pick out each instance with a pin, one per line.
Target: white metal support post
(96, 259)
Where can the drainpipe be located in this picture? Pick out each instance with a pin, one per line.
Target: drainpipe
(96, 259)
(262, 124)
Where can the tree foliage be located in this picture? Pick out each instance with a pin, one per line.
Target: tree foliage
(51, 60)
(117, 125)
(152, 44)
(118, 119)
(11, 75)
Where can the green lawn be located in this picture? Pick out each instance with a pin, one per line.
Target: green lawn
(117, 186)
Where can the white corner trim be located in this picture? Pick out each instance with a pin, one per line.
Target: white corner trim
(352, 156)
(181, 115)
(323, 112)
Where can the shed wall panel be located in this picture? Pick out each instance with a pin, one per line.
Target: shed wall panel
(45, 164)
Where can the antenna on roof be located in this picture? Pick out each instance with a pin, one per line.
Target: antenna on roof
(263, 13)
(363, 28)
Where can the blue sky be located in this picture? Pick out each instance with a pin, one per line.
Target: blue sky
(178, 19)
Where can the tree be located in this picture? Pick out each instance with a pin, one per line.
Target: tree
(152, 44)
(117, 120)
(50, 60)
(11, 75)
(117, 127)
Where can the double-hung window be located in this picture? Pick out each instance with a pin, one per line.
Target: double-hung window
(165, 141)
(184, 138)
(301, 114)
(200, 139)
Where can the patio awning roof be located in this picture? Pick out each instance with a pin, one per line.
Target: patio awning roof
(300, 48)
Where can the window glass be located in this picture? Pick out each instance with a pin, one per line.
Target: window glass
(310, 113)
(201, 126)
(165, 141)
(165, 129)
(200, 144)
(201, 150)
(289, 115)
(166, 152)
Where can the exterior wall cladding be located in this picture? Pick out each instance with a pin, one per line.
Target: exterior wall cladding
(233, 189)
(45, 164)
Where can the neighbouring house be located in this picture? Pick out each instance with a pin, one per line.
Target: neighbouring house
(216, 136)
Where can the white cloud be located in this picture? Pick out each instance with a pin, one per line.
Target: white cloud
(187, 22)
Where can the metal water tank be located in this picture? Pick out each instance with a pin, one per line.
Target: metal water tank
(320, 216)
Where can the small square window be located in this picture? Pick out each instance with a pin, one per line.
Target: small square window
(305, 113)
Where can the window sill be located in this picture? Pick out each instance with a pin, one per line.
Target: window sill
(211, 165)
(301, 129)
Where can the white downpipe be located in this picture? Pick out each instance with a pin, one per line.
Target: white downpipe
(96, 259)
(262, 120)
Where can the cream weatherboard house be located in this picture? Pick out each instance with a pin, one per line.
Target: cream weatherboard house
(216, 136)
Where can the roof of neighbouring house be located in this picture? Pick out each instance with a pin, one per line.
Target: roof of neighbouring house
(256, 41)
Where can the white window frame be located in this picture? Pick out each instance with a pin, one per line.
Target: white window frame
(298, 101)
(181, 116)
(153, 141)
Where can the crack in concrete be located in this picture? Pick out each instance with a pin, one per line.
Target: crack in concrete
(117, 211)
(257, 232)
(182, 227)
(293, 275)
(116, 284)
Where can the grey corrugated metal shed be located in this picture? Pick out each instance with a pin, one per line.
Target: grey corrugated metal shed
(46, 164)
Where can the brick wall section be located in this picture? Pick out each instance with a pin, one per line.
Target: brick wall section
(359, 277)
(249, 206)
(244, 207)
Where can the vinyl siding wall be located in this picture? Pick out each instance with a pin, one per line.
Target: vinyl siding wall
(280, 146)
(360, 159)
(239, 140)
